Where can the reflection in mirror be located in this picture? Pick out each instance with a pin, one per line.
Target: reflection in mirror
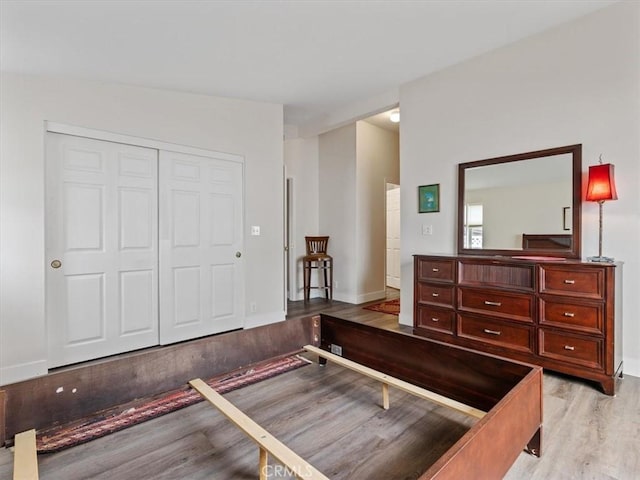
(527, 202)
(504, 201)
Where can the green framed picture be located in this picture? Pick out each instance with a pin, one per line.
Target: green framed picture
(429, 198)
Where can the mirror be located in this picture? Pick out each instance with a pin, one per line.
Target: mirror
(521, 205)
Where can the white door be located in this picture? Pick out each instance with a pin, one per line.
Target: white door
(201, 268)
(393, 236)
(101, 248)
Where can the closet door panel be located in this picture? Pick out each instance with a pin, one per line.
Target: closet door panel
(101, 248)
(201, 268)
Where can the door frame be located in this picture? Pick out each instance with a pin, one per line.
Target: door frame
(55, 127)
(386, 212)
(291, 280)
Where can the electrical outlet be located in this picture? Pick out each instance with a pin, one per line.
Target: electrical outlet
(255, 230)
(427, 229)
(336, 349)
(253, 307)
(335, 284)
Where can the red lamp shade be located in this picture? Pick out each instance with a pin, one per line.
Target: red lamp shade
(602, 185)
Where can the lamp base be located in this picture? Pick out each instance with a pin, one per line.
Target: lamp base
(600, 259)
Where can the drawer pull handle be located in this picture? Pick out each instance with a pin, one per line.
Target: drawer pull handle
(569, 314)
(569, 347)
(492, 332)
(435, 269)
(569, 282)
(493, 304)
(435, 294)
(433, 319)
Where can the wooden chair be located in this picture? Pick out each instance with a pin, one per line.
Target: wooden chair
(317, 259)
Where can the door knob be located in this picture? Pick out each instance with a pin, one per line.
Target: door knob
(238, 254)
(56, 264)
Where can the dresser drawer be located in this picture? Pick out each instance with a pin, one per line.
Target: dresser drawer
(514, 306)
(435, 294)
(586, 318)
(442, 270)
(495, 332)
(494, 274)
(572, 281)
(437, 319)
(564, 347)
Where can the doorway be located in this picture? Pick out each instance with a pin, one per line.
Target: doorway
(393, 236)
(289, 233)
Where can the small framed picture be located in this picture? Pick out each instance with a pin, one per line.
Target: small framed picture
(429, 198)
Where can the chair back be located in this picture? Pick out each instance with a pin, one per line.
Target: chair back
(316, 245)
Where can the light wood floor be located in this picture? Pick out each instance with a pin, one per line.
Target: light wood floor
(586, 434)
(332, 417)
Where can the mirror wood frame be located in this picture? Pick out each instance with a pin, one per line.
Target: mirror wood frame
(574, 250)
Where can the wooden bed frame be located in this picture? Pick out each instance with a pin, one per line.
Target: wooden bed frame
(509, 392)
(269, 445)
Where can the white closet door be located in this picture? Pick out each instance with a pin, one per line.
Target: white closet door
(201, 268)
(101, 217)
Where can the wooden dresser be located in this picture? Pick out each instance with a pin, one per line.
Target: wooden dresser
(561, 315)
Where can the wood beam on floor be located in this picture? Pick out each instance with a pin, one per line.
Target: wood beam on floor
(267, 442)
(25, 464)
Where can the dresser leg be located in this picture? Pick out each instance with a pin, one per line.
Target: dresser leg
(608, 386)
(534, 447)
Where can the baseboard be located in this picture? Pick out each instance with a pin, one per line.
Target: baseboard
(262, 319)
(370, 297)
(405, 318)
(23, 371)
(631, 367)
(296, 296)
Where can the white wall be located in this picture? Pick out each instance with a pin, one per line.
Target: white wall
(301, 160)
(355, 162)
(508, 212)
(337, 196)
(378, 163)
(250, 129)
(578, 83)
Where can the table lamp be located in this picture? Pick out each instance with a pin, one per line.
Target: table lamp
(601, 187)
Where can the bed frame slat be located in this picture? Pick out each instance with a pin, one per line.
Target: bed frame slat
(267, 442)
(25, 460)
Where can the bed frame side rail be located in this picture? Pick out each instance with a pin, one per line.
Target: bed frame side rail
(491, 447)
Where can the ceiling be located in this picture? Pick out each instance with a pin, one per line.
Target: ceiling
(315, 56)
(382, 120)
